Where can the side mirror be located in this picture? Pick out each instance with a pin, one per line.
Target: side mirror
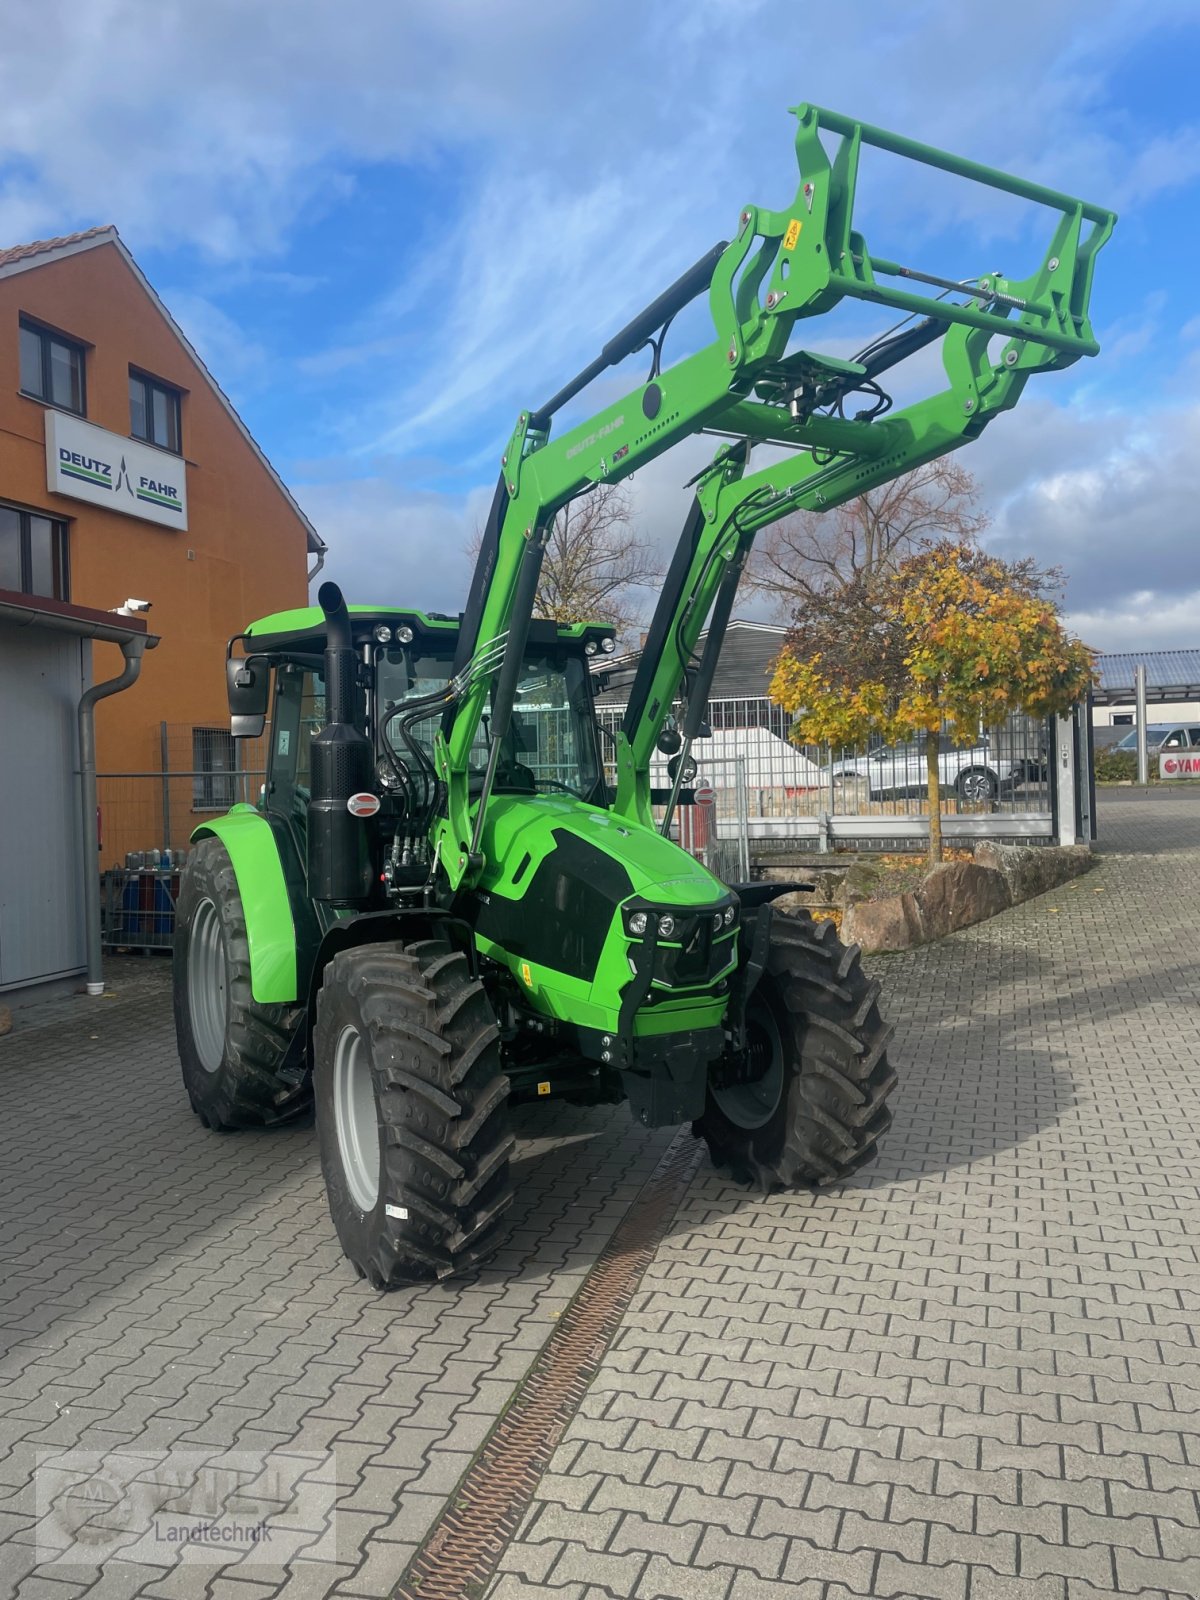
(248, 682)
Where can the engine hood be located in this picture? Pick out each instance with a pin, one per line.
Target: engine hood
(598, 843)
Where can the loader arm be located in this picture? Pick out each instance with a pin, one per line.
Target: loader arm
(749, 384)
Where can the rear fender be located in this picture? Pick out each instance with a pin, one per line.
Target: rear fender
(270, 926)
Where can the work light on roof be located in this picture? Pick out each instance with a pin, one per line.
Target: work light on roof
(383, 634)
(404, 634)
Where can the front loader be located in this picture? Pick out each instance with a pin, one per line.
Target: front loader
(442, 905)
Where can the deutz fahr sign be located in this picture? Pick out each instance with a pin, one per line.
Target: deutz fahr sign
(109, 470)
(1171, 765)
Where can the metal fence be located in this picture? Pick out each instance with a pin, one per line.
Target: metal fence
(146, 818)
(200, 773)
(768, 797)
(770, 793)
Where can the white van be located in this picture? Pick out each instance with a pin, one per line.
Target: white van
(1165, 736)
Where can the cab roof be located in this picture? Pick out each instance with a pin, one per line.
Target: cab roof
(305, 627)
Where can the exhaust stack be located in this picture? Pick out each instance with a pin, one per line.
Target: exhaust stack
(339, 854)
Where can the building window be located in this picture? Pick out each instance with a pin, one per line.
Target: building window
(52, 368)
(154, 412)
(214, 769)
(33, 554)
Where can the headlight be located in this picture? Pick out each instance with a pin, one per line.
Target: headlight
(637, 923)
(666, 926)
(730, 913)
(717, 921)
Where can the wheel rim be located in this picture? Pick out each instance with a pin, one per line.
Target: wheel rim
(356, 1118)
(976, 786)
(751, 1105)
(206, 985)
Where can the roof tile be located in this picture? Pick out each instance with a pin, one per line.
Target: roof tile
(21, 252)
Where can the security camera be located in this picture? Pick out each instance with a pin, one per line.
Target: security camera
(132, 608)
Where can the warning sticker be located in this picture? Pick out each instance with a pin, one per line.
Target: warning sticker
(526, 975)
(792, 234)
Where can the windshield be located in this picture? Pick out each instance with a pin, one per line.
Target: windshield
(551, 743)
(551, 740)
(1156, 732)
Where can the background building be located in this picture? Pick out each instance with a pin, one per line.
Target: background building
(1172, 688)
(126, 472)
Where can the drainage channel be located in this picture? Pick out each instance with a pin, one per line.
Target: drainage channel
(463, 1547)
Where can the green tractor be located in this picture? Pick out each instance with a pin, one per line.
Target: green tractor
(451, 897)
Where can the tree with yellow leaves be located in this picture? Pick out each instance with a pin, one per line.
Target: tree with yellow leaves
(952, 637)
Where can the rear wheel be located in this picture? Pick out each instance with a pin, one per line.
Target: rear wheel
(231, 1047)
(805, 1104)
(411, 1111)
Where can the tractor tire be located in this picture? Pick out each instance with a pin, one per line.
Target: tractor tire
(412, 1116)
(817, 1110)
(231, 1046)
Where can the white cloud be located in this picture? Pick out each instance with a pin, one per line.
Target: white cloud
(236, 360)
(219, 124)
(1148, 620)
(1112, 499)
(394, 547)
(579, 162)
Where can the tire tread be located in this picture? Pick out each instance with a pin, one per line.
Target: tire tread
(835, 1042)
(442, 1096)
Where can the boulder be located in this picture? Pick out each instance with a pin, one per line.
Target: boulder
(878, 925)
(959, 893)
(1032, 869)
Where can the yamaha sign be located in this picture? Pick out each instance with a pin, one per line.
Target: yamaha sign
(109, 470)
(1179, 764)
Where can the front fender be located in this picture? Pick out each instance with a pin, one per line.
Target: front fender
(270, 926)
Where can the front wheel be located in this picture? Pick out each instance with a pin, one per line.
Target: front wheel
(411, 1111)
(805, 1102)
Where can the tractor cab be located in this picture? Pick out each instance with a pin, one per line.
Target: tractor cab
(404, 667)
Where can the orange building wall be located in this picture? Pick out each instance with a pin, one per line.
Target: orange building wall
(250, 547)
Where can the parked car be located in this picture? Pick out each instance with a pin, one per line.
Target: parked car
(1164, 736)
(972, 772)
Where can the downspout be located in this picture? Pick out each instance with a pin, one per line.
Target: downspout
(132, 650)
(321, 554)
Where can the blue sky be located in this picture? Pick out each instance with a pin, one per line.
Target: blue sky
(390, 228)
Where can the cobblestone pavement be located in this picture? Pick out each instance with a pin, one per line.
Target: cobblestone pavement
(168, 1289)
(971, 1373)
(974, 1371)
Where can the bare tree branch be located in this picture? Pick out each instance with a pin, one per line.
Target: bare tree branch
(800, 557)
(594, 563)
